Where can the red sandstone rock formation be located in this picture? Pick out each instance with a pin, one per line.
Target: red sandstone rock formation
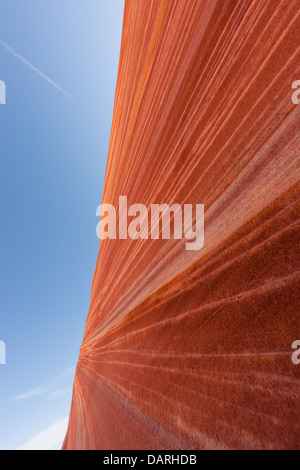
(192, 349)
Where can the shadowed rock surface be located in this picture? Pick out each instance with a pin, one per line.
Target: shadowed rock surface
(192, 349)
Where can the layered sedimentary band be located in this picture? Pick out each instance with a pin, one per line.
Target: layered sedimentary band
(192, 349)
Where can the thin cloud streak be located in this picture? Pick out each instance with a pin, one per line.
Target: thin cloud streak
(66, 373)
(35, 69)
(48, 439)
(31, 393)
(69, 371)
(58, 393)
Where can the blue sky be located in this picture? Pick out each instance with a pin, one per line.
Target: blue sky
(59, 60)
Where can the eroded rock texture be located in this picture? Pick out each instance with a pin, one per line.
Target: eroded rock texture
(192, 349)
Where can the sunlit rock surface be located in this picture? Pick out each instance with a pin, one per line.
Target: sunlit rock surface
(192, 349)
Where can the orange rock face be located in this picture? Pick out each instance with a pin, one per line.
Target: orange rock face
(192, 349)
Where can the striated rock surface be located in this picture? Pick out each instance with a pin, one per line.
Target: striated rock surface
(192, 349)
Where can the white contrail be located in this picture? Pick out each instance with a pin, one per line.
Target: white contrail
(35, 69)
